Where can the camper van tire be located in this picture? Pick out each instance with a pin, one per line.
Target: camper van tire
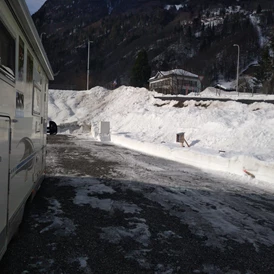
(52, 129)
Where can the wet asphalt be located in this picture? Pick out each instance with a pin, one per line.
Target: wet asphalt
(58, 235)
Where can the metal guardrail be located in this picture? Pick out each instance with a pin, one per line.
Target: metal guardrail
(196, 98)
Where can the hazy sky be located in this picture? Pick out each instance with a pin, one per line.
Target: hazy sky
(34, 5)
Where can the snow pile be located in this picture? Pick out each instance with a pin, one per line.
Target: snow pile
(212, 92)
(226, 136)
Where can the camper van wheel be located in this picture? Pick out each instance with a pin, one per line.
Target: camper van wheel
(52, 128)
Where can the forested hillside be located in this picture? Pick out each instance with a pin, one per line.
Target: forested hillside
(195, 36)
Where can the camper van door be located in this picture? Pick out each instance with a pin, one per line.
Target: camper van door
(4, 180)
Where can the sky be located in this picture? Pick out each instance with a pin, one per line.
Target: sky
(34, 5)
(225, 136)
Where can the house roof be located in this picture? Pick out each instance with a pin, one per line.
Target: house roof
(24, 18)
(180, 72)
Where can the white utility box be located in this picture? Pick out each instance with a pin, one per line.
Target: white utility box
(101, 130)
(104, 128)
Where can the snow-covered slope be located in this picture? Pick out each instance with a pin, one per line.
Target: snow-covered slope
(137, 118)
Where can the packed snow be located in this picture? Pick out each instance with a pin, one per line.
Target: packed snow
(61, 226)
(225, 136)
(217, 93)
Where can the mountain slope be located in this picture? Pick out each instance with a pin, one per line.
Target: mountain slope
(194, 36)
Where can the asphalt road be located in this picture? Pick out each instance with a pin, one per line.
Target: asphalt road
(106, 209)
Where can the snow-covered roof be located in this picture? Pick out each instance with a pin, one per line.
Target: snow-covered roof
(180, 72)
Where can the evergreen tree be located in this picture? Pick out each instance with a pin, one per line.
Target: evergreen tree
(269, 18)
(203, 45)
(189, 32)
(141, 70)
(259, 9)
(203, 28)
(272, 46)
(222, 12)
(264, 71)
(225, 27)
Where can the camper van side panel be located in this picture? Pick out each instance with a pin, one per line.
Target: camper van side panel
(23, 101)
(4, 180)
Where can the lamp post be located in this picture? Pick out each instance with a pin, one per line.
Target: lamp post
(88, 63)
(238, 64)
(41, 35)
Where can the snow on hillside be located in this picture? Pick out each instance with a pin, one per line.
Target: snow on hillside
(255, 20)
(177, 7)
(236, 135)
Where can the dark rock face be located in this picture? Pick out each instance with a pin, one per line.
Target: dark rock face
(194, 36)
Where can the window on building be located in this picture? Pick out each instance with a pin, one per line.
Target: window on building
(7, 53)
(21, 58)
(36, 106)
(29, 68)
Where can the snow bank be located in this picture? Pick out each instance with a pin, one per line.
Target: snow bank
(243, 133)
(212, 92)
(219, 161)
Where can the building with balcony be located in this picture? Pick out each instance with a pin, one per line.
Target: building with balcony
(176, 81)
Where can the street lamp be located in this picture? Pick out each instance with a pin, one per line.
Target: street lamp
(88, 63)
(41, 35)
(238, 64)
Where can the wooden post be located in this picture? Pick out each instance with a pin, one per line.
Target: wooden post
(181, 139)
(186, 142)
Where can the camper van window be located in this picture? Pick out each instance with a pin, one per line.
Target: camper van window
(7, 53)
(36, 101)
(29, 68)
(21, 58)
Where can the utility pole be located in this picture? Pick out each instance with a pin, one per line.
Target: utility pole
(88, 64)
(238, 65)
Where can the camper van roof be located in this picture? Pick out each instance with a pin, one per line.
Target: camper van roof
(23, 15)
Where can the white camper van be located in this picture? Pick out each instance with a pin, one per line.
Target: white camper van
(24, 75)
